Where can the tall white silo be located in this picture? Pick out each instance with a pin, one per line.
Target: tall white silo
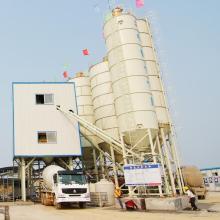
(160, 103)
(103, 104)
(103, 99)
(85, 110)
(153, 72)
(133, 99)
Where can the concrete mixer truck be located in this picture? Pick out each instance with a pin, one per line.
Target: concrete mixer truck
(193, 178)
(62, 186)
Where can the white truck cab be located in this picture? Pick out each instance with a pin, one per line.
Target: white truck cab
(64, 187)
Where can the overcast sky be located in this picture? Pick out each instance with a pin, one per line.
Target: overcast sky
(39, 37)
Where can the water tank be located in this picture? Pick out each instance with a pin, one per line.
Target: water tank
(132, 96)
(104, 186)
(48, 173)
(103, 99)
(153, 72)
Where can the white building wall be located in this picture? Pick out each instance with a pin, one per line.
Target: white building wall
(30, 118)
(212, 179)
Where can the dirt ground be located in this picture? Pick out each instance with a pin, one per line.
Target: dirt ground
(39, 212)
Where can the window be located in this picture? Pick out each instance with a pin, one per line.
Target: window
(47, 137)
(44, 99)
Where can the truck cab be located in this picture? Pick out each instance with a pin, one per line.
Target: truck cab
(62, 186)
(70, 187)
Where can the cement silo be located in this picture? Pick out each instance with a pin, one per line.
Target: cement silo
(103, 104)
(132, 96)
(160, 103)
(153, 72)
(103, 99)
(85, 110)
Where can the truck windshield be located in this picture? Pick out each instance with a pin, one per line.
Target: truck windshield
(72, 178)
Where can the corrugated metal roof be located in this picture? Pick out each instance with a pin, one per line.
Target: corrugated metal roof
(211, 168)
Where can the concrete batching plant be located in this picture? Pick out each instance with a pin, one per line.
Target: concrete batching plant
(129, 104)
(122, 112)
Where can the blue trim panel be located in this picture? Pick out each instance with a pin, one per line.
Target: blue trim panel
(39, 156)
(211, 168)
(43, 83)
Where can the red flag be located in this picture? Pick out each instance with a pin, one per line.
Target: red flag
(139, 3)
(65, 74)
(85, 52)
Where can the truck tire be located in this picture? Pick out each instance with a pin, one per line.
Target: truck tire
(58, 205)
(202, 197)
(42, 199)
(82, 205)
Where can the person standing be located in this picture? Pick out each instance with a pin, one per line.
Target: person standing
(118, 195)
(192, 198)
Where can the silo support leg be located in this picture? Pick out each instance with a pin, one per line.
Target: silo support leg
(102, 165)
(130, 188)
(154, 157)
(176, 167)
(23, 180)
(168, 162)
(162, 164)
(173, 145)
(95, 164)
(114, 166)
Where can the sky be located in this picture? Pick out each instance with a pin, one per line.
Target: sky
(40, 39)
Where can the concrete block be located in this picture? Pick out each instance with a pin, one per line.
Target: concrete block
(166, 204)
(140, 202)
(185, 202)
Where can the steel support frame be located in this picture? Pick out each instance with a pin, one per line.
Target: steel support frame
(171, 127)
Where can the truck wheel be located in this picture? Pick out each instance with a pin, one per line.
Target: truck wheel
(58, 205)
(82, 205)
(42, 199)
(202, 197)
